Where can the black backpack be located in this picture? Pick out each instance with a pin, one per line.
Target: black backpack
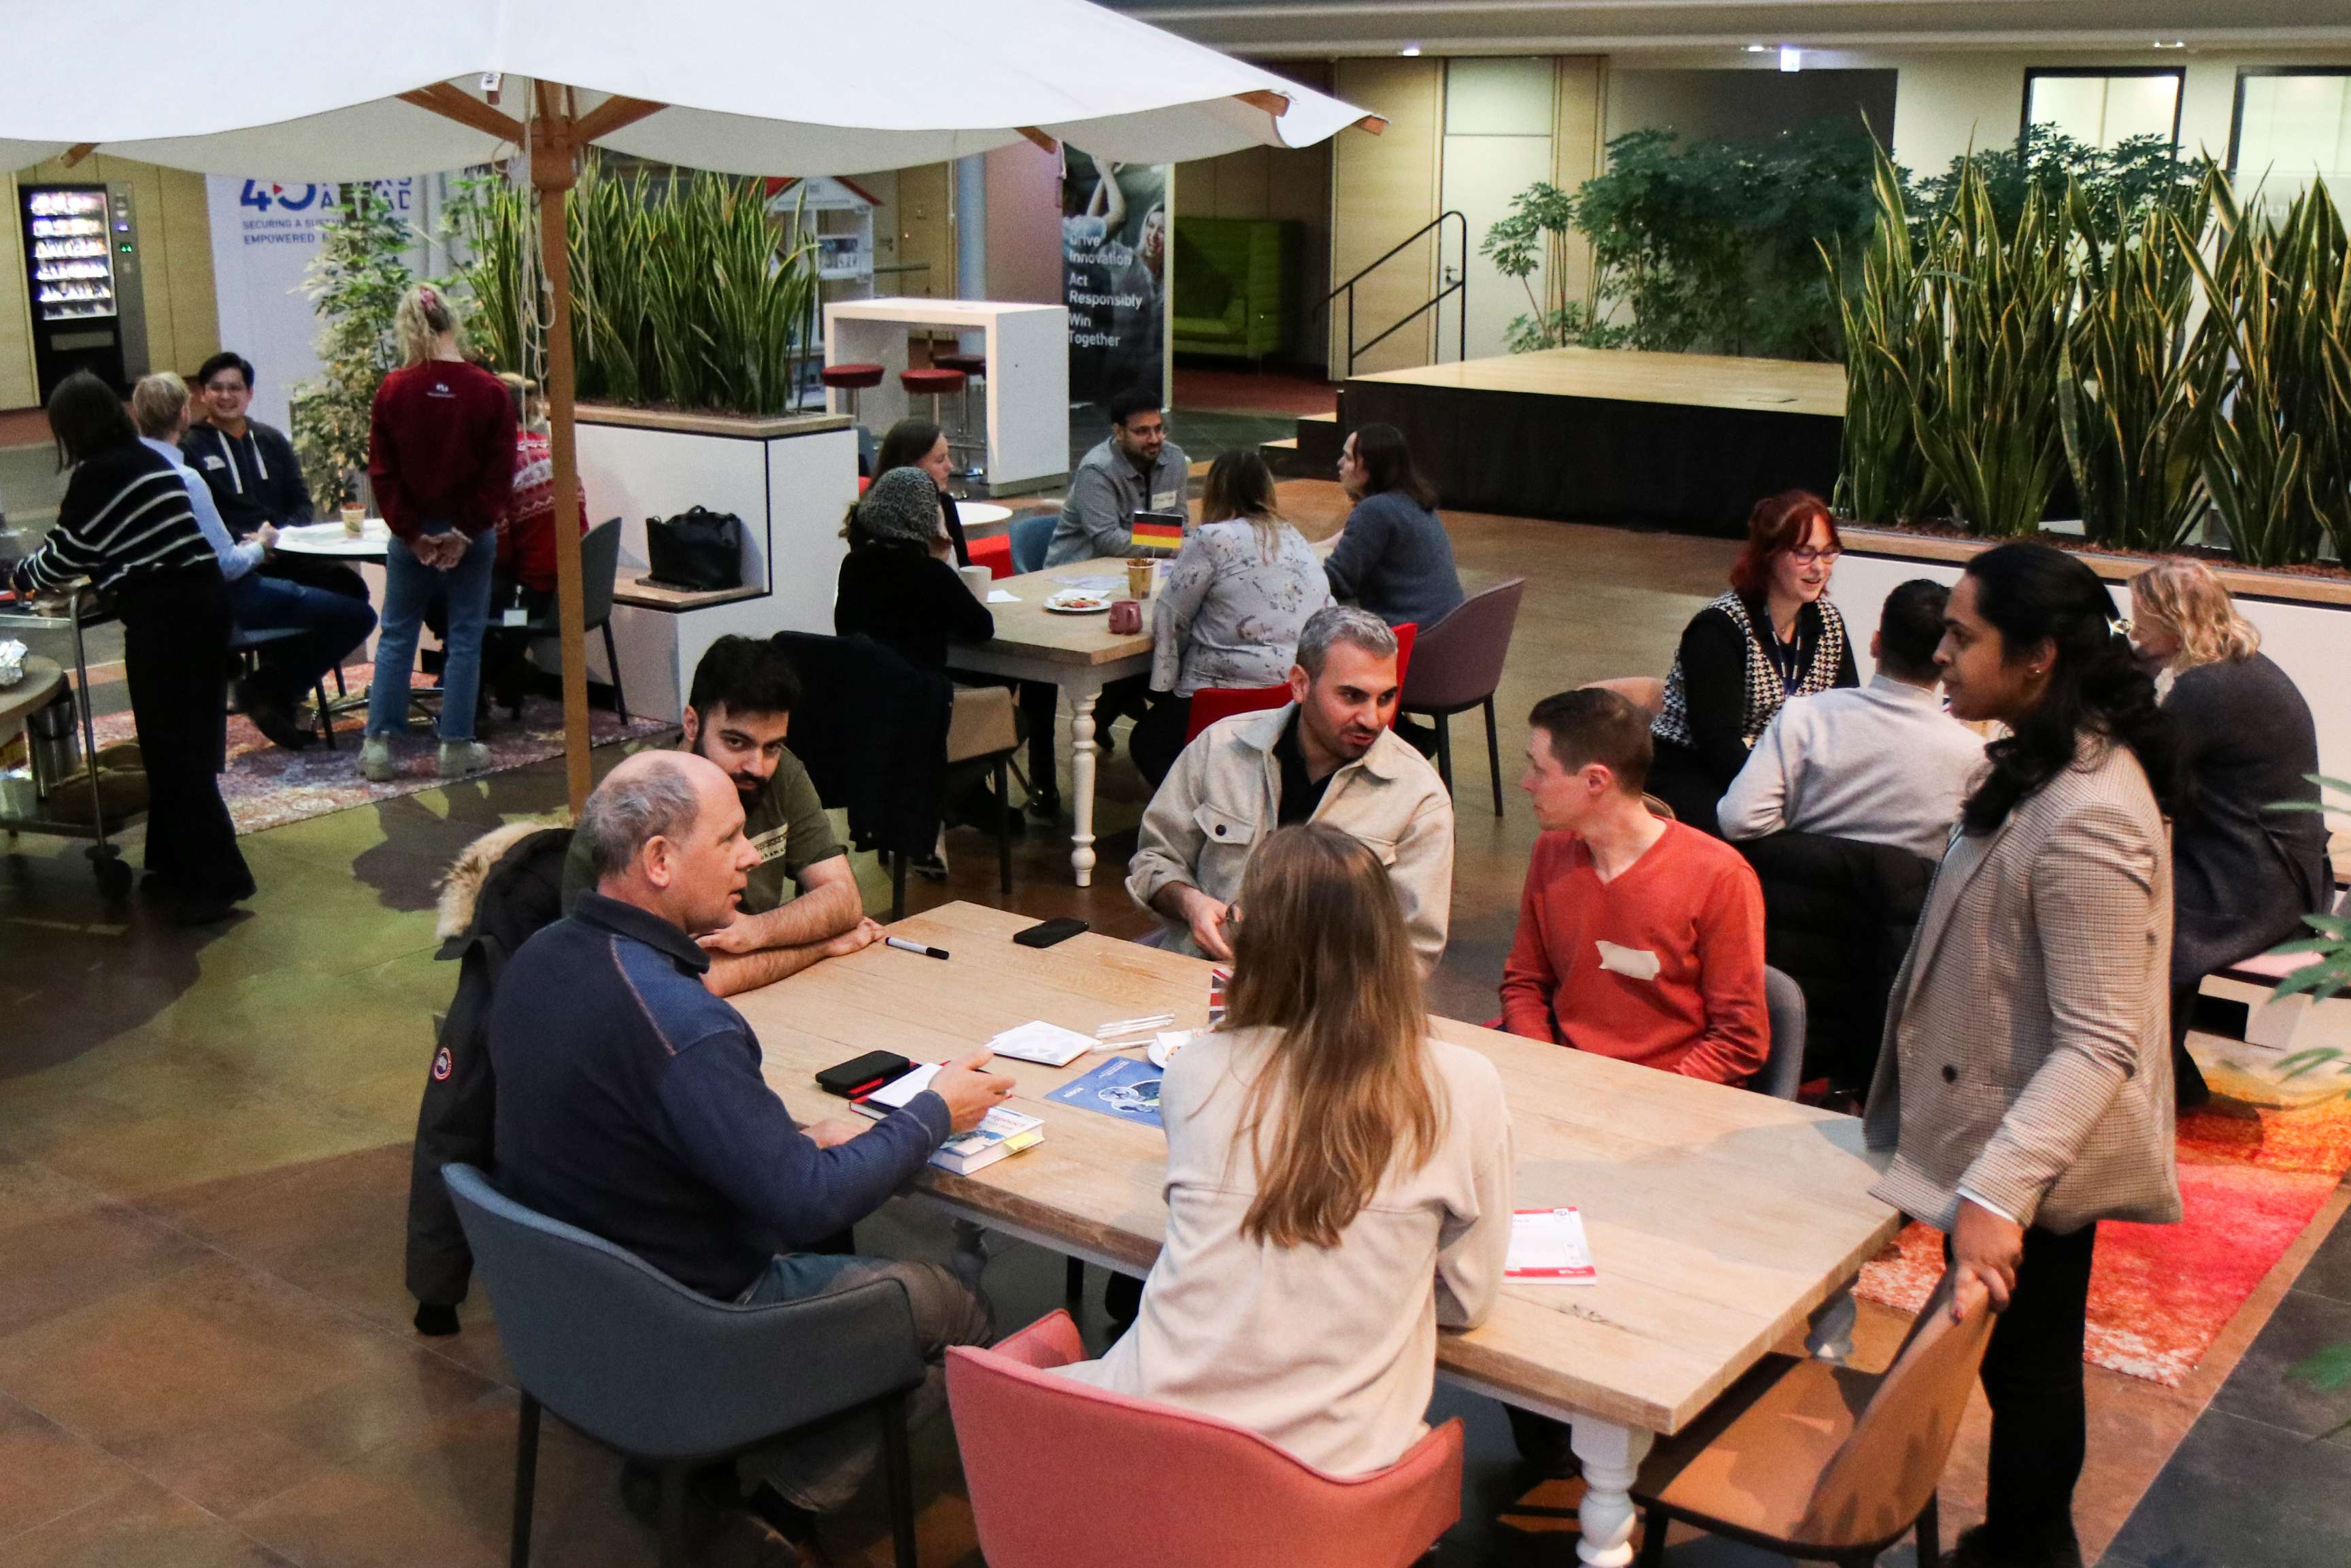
(457, 1120)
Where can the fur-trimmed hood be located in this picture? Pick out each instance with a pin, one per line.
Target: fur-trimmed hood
(461, 884)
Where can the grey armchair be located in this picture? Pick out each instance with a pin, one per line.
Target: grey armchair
(1784, 1070)
(666, 1375)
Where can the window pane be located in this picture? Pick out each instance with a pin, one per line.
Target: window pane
(2140, 106)
(2073, 106)
(2290, 129)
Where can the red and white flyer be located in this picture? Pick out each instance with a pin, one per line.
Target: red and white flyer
(1547, 1248)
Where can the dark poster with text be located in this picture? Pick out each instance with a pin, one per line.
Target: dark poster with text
(1114, 275)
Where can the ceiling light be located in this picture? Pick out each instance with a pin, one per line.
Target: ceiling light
(2172, 43)
(1410, 51)
(1791, 57)
(1758, 48)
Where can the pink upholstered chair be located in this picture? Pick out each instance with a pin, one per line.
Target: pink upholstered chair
(1066, 1476)
(1459, 668)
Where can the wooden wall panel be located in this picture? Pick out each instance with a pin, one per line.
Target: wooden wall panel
(1381, 189)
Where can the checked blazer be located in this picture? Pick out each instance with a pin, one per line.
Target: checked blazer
(2027, 1055)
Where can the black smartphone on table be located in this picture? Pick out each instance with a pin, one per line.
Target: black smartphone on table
(1050, 932)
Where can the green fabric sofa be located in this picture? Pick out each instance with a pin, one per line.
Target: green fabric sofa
(1234, 296)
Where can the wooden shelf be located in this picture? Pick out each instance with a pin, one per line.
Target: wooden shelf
(648, 596)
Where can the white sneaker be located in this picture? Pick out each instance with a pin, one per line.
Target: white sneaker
(375, 761)
(462, 756)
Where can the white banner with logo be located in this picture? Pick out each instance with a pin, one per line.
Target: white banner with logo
(264, 234)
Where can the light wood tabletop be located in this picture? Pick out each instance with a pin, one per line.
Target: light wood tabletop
(1027, 628)
(1719, 1219)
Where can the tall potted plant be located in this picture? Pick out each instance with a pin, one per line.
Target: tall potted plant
(355, 283)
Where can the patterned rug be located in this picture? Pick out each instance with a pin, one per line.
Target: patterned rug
(268, 787)
(2250, 1181)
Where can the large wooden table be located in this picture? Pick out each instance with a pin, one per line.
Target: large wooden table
(1720, 1220)
(1076, 653)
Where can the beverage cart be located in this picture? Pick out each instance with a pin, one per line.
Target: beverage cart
(29, 809)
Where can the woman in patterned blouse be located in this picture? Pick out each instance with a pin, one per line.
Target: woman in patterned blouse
(1773, 636)
(1229, 613)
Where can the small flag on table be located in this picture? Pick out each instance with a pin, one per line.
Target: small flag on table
(1219, 981)
(1163, 535)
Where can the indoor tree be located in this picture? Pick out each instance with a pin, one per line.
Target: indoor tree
(354, 283)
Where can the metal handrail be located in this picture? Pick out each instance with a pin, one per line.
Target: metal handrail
(1460, 285)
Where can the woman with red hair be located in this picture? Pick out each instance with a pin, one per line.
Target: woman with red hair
(1773, 636)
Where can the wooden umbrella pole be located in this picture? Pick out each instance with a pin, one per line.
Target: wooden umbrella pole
(554, 168)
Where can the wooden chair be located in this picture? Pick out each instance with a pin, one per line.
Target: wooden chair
(1817, 1460)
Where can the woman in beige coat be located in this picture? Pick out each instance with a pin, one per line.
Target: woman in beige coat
(1338, 1182)
(2024, 1088)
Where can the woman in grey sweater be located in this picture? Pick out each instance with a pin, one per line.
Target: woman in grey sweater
(2244, 875)
(1393, 558)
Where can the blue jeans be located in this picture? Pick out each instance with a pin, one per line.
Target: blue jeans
(820, 1468)
(410, 587)
(335, 625)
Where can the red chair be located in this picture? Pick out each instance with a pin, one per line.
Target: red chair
(1210, 704)
(994, 552)
(1062, 1475)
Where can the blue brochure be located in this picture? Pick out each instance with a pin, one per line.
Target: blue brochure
(1125, 1089)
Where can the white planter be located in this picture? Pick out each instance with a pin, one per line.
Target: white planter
(790, 479)
(2304, 622)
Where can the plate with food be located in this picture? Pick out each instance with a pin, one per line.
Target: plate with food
(1078, 602)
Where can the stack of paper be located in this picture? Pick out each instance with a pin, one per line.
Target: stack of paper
(1047, 1043)
(1547, 1248)
(1002, 1133)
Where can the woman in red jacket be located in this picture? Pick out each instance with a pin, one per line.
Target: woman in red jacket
(441, 456)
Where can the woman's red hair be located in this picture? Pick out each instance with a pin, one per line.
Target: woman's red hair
(1779, 523)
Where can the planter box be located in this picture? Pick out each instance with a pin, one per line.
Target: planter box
(2304, 622)
(790, 479)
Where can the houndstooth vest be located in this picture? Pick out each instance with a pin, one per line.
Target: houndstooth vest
(1765, 689)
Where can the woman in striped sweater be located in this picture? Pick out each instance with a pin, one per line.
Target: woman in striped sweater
(126, 525)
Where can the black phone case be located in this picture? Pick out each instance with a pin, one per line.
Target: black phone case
(1050, 932)
(868, 1072)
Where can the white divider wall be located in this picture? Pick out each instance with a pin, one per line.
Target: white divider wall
(2310, 642)
(792, 490)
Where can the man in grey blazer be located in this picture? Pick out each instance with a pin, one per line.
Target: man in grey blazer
(2023, 1088)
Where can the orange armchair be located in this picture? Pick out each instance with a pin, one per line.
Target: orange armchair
(1064, 1475)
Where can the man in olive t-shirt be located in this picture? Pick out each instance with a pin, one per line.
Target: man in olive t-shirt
(740, 706)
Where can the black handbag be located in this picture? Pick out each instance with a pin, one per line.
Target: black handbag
(697, 552)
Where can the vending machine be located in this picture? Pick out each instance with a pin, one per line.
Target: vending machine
(80, 259)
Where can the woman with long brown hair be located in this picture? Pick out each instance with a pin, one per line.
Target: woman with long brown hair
(1338, 1182)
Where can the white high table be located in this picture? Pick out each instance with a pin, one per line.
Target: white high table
(1026, 396)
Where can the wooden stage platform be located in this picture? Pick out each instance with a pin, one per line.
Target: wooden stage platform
(1605, 435)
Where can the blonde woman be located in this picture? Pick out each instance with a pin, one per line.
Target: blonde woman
(1338, 1182)
(1239, 593)
(2244, 875)
(441, 456)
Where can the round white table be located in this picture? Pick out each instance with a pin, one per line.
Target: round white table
(329, 539)
(977, 514)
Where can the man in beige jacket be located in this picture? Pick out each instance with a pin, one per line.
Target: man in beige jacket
(1327, 757)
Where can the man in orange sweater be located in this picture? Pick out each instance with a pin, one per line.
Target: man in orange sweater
(1638, 939)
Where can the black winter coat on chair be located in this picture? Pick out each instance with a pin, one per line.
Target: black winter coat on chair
(1837, 919)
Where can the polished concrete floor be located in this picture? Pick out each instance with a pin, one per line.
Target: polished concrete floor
(205, 1350)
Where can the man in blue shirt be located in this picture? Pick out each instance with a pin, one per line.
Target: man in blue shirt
(631, 1103)
(333, 625)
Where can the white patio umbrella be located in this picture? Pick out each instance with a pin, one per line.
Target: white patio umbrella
(345, 90)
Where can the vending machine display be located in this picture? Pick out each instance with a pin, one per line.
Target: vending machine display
(78, 250)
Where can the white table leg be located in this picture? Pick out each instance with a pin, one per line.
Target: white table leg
(1081, 771)
(1831, 1337)
(1611, 1457)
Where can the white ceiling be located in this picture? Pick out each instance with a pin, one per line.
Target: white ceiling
(1716, 29)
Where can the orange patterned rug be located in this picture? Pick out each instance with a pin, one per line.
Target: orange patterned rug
(2250, 1181)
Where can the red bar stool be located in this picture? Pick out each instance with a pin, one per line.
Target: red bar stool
(852, 379)
(932, 383)
(974, 369)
